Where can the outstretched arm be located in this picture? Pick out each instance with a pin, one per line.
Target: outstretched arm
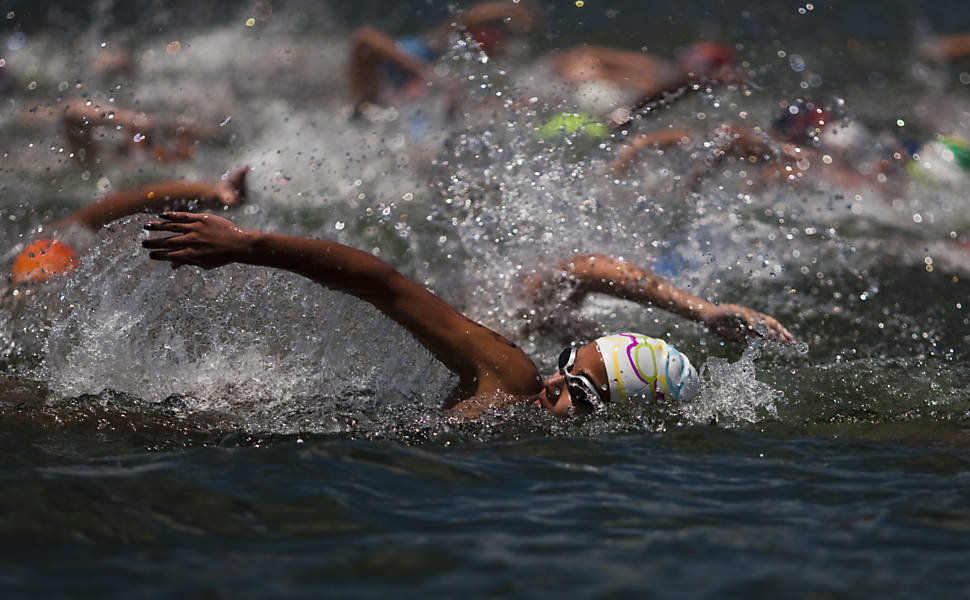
(948, 47)
(608, 275)
(228, 192)
(369, 48)
(486, 363)
(519, 15)
(730, 140)
(660, 138)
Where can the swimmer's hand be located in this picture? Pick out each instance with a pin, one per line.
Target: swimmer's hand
(231, 190)
(734, 323)
(202, 240)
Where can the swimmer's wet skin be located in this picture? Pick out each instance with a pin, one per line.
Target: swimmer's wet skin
(493, 372)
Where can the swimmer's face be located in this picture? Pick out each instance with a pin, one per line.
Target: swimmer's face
(555, 395)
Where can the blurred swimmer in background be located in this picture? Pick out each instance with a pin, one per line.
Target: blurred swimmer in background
(605, 88)
(86, 122)
(947, 47)
(804, 139)
(385, 70)
(493, 372)
(51, 255)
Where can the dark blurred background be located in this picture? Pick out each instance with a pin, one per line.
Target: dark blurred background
(597, 19)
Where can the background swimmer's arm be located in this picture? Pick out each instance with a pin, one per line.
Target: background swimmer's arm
(615, 277)
(948, 46)
(89, 114)
(157, 197)
(369, 47)
(519, 15)
(657, 139)
(486, 363)
(625, 67)
(731, 141)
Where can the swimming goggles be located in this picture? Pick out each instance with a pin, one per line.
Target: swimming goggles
(581, 389)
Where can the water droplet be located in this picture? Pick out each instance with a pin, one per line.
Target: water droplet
(17, 41)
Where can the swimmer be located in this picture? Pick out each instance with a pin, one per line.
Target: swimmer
(50, 256)
(613, 84)
(941, 160)
(493, 372)
(693, 67)
(798, 140)
(660, 138)
(163, 141)
(384, 70)
(948, 47)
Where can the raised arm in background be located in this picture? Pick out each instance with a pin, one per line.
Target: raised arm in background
(228, 192)
(599, 273)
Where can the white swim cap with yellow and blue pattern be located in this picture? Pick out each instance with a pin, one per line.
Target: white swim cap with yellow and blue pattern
(638, 365)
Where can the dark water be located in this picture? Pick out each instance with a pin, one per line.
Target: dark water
(238, 433)
(700, 512)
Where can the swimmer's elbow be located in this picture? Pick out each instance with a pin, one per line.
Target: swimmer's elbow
(366, 36)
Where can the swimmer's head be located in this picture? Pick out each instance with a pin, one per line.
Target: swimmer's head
(568, 124)
(618, 368)
(705, 58)
(43, 259)
(801, 121)
(490, 38)
(941, 161)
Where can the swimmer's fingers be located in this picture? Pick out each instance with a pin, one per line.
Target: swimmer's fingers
(169, 226)
(177, 258)
(164, 243)
(734, 323)
(777, 331)
(762, 325)
(184, 217)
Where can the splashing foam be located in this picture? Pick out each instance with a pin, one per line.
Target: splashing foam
(731, 395)
(232, 340)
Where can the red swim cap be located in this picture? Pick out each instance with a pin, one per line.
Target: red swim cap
(703, 57)
(489, 37)
(43, 259)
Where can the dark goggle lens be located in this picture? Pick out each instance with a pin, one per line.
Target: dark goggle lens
(564, 357)
(580, 395)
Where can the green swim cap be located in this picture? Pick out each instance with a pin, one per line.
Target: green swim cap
(960, 149)
(571, 123)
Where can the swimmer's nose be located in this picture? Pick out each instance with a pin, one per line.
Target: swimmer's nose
(554, 379)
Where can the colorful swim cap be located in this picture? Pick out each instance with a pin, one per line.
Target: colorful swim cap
(43, 259)
(942, 161)
(638, 365)
(570, 123)
(960, 149)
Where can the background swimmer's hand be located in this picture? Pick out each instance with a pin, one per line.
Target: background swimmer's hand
(734, 323)
(202, 240)
(231, 191)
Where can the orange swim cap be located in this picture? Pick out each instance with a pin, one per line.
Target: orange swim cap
(41, 260)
